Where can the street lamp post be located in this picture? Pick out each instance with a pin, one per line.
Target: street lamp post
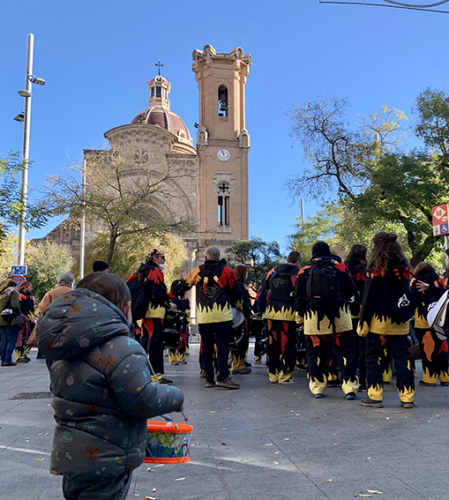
(26, 117)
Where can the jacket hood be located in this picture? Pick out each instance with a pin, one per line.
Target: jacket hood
(286, 269)
(327, 257)
(427, 276)
(76, 322)
(213, 267)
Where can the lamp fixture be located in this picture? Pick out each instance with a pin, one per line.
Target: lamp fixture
(36, 80)
(20, 117)
(24, 93)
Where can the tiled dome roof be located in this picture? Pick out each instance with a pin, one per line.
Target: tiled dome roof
(164, 118)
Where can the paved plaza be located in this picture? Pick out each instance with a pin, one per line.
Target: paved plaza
(262, 442)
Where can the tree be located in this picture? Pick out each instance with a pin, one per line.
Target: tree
(122, 197)
(131, 252)
(11, 206)
(258, 255)
(45, 261)
(340, 227)
(368, 171)
(8, 248)
(432, 110)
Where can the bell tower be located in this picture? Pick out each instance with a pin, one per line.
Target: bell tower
(223, 144)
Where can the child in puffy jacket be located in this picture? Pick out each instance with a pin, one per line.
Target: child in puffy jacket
(103, 393)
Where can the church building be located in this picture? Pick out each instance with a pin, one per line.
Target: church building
(212, 189)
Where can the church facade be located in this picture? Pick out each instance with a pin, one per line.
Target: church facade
(208, 183)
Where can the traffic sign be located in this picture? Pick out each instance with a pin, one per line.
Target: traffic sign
(441, 229)
(18, 280)
(18, 270)
(440, 215)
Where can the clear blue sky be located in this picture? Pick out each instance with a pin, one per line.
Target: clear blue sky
(97, 57)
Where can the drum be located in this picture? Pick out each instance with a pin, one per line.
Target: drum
(172, 328)
(255, 326)
(236, 336)
(238, 317)
(168, 443)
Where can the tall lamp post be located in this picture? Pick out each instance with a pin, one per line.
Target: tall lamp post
(25, 118)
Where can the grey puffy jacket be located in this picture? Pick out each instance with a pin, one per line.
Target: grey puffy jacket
(102, 386)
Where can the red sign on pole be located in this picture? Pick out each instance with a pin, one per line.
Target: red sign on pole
(439, 215)
(440, 219)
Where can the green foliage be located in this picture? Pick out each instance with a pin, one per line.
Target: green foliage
(8, 258)
(377, 183)
(341, 227)
(258, 255)
(11, 199)
(45, 261)
(432, 109)
(131, 252)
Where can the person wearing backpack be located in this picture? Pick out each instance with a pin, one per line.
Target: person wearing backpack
(149, 302)
(427, 288)
(216, 290)
(10, 308)
(281, 320)
(324, 291)
(387, 307)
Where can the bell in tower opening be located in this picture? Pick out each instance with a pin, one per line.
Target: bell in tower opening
(222, 101)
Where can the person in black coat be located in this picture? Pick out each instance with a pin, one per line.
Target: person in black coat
(239, 356)
(427, 287)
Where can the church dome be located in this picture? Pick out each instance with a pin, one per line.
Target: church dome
(164, 118)
(158, 112)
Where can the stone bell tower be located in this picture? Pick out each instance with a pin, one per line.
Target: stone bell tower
(223, 144)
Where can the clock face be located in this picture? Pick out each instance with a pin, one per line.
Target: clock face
(223, 154)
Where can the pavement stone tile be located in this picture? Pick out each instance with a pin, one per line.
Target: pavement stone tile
(401, 453)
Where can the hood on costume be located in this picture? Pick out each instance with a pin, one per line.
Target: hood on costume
(76, 322)
(320, 249)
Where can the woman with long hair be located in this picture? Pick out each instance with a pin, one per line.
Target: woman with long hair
(239, 357)
(356, 263)
(386, 310)
(427, 287)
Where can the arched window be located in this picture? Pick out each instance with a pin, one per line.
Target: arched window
(222, 101)
(224, 205)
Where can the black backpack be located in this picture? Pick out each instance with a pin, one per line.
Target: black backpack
(324, 286)
(140, 296)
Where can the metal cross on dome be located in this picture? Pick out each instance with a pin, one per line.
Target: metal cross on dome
(159, 66)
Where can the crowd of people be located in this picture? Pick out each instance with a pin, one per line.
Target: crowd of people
(347, 324)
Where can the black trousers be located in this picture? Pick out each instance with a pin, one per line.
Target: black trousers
(433, 355)
(215, 334)
(342, 347)
(152, 341)
(281, 349)
(398, 346)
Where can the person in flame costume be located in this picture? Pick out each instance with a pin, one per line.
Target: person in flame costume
(216, 289)
(356, 263)
(329, 324)
(280, 315)
(182, 303)
(152, 336)
(427, 287)
(386, 310)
